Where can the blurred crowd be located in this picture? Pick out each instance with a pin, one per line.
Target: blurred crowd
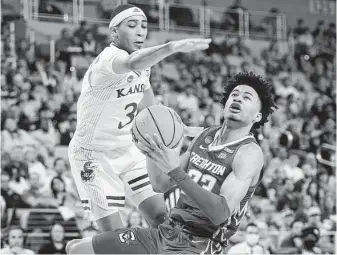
(295, 203)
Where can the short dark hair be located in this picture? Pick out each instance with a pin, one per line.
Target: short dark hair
(262, 88)
(120, 8)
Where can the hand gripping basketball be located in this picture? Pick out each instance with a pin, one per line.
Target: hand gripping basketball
(165, 158)
(189, 45)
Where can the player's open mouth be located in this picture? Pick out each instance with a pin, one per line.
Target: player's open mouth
(139, 43)
(235, 107)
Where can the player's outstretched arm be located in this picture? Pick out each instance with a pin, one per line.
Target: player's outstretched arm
(145, 58)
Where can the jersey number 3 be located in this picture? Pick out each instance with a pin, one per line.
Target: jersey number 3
(131, 109)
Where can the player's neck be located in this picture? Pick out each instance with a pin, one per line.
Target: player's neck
(229, 134)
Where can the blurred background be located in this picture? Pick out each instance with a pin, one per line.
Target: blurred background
(46, 47)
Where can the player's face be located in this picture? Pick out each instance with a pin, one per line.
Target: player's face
(243, 106)
(132, 32)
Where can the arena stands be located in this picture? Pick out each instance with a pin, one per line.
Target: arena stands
(38, 119)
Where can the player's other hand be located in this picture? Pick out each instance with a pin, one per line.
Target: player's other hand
(165, 158)
(188, 45)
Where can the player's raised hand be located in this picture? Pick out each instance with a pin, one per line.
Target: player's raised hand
(165, 158)
(188, 45)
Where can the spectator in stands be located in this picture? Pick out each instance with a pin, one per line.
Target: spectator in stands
(67, 133)
(330, 36)
(12, 199)
(34, 196)
(318, 32)
(304, 206)
(187, 100)
(64, 41)
(90, 46)
(34, 165)
(19, 176)
(309, 174)
(293, 240)
(58, 189)
(15, 241)
(61, 171)
(300, 28)
(81, 31)
(251, 244)
(310, 238)
(135, 219)
(56, 244)
(289, 199)
(313, 191)
(12, 136)
(314, 217)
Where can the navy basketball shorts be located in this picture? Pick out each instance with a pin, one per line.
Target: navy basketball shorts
(167, 239)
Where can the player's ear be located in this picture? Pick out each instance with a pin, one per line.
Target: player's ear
(114, 32)
(258, 117)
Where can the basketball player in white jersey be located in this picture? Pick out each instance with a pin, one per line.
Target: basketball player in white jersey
(105, 163)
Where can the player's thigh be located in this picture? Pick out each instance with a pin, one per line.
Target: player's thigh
(100, 192)
(125, 241)
(139, 189)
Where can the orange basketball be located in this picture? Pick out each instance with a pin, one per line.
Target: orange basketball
(161, 120)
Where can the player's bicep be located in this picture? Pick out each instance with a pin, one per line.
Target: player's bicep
(247, 165)
(234, 190)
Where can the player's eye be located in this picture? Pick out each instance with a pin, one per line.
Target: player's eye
(247, 98)
(234, 94)
(132, 26)
(144, 26)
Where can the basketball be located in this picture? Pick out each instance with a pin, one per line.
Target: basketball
(161, 120)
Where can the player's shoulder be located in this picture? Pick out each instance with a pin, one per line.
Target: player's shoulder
(251, 149)
(249, 157)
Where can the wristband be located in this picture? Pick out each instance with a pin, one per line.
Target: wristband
(178, 175)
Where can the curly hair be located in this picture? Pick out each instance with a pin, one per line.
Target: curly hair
(262, 88)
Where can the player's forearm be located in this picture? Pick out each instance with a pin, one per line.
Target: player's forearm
(145, 58)
(159, 180)
(215, 207)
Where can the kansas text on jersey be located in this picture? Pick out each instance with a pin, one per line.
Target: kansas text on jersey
(108, 103)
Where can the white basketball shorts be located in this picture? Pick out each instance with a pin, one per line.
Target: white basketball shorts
(104, 179)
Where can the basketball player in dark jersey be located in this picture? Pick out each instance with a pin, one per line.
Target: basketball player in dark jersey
(217, 176)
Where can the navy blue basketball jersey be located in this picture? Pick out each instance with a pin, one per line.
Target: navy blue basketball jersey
(209, 167)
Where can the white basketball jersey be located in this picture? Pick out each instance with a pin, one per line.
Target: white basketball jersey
(108, 103)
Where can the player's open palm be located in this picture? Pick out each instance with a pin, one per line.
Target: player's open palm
(165, 158)
(188, 45)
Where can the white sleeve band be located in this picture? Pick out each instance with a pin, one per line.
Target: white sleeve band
(125, 14)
